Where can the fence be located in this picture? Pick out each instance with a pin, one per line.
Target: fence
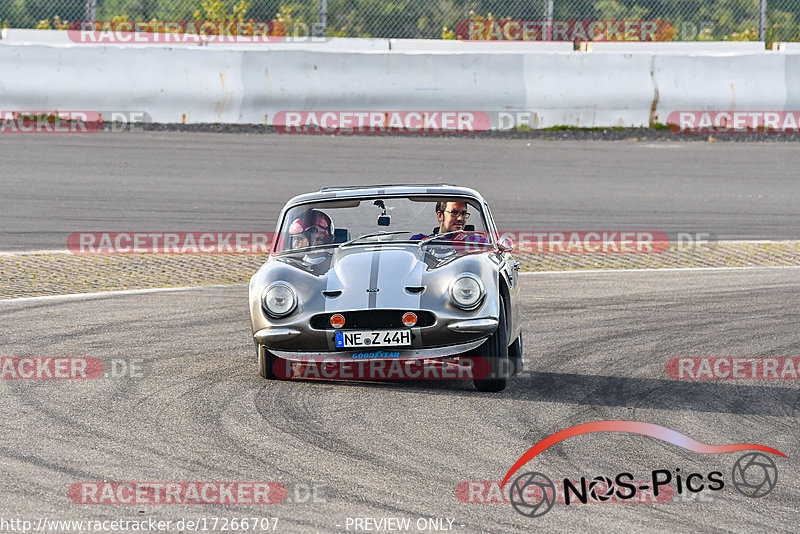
(762, 20)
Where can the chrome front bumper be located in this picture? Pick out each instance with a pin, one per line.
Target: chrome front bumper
(474, 326)
(403, 353)
(265, 335)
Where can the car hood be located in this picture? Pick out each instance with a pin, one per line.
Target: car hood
(379, 276)
(375, 276)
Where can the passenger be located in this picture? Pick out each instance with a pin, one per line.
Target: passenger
(312, 228)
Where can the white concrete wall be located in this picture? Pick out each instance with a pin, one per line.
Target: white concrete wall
(250, 84)
(676, 47)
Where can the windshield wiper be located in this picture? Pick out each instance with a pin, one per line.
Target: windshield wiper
(373, 234)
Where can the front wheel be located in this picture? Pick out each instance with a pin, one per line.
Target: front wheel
(495, 351)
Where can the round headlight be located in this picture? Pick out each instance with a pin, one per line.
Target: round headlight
(279, 299)
(466, 291)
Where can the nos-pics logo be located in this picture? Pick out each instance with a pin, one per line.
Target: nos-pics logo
(533, 494)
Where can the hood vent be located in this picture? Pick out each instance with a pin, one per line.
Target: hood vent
(331, 294)
(415, 290)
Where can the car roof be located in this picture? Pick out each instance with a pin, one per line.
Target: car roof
(365, 191)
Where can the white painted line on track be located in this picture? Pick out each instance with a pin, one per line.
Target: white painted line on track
(102, 294)
(664, 269)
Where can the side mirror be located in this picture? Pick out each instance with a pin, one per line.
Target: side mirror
(506, 244)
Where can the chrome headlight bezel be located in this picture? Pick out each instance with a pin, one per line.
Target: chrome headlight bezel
(266, 291)
(478, 302)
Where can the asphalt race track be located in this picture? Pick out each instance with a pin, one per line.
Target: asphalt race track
(598, 344)
(181, 401)
(54, 185)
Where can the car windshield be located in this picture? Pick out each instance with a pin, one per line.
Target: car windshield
(341, 222)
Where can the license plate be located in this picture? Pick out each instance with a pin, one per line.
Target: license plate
(377, 338)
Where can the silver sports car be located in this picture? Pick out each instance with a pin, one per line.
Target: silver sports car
(404, 275)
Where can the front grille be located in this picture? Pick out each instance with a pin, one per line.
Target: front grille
(371, 319)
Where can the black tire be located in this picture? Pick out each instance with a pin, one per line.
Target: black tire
(515, 355)
(266, 363)
(495, 350)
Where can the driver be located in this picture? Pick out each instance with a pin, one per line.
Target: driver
(452, 217)
(313, 227)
